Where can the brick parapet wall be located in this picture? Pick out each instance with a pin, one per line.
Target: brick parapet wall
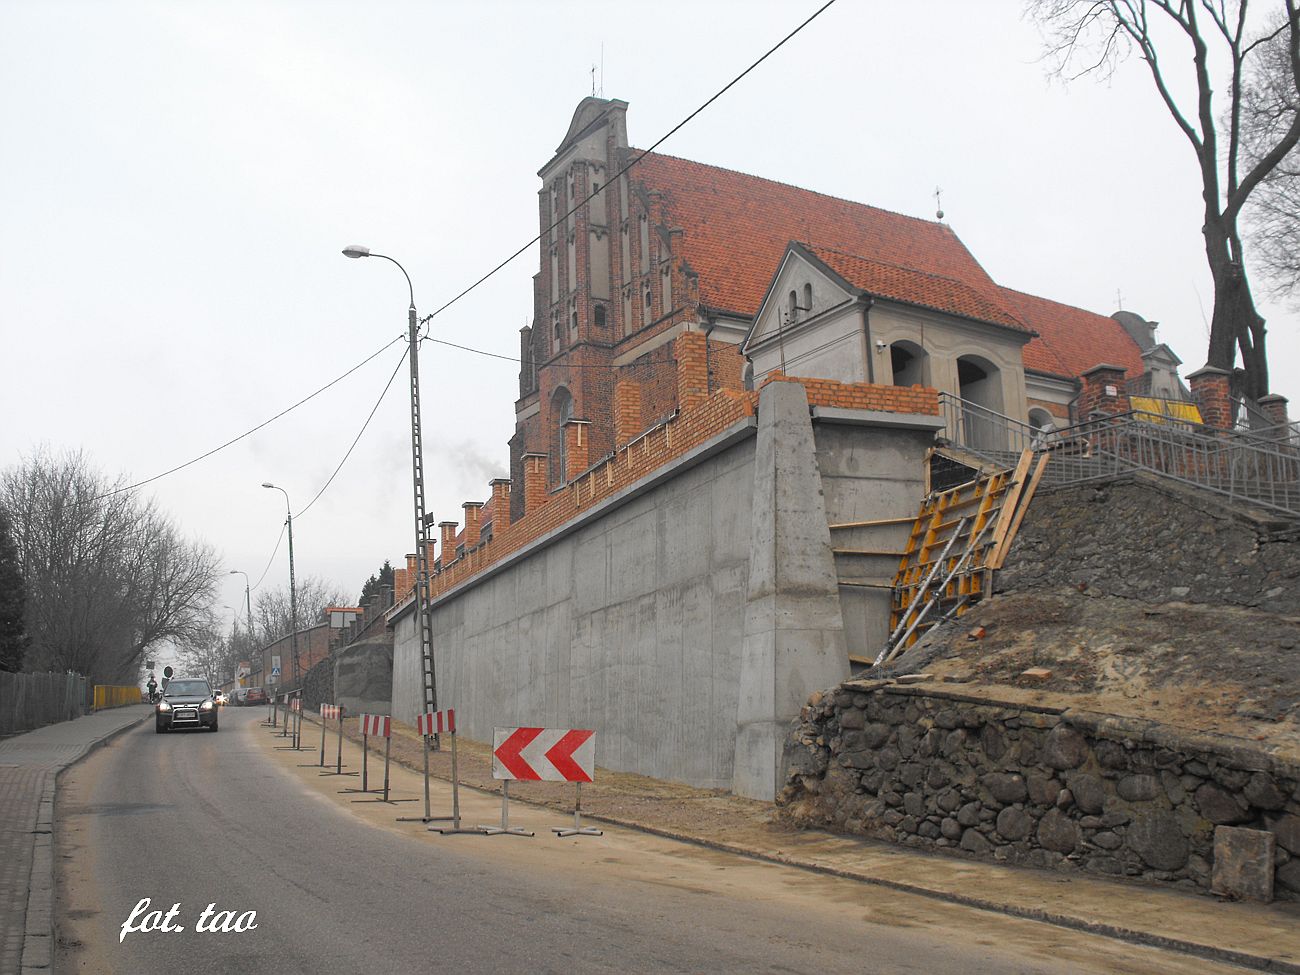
(1040, 786)
(644, 454)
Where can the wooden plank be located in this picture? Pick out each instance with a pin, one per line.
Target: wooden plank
(1000, 554)
(865, 584)
(892, 553)
(910, 519)
(1013, 496)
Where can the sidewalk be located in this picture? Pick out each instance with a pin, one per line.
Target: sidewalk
(1264, 937)
(29, 767)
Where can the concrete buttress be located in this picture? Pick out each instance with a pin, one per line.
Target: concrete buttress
(793, 642)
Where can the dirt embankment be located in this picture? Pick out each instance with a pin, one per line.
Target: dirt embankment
(1142, 602)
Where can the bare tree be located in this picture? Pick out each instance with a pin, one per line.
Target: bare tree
(1093, 35)
(271, 610)
(209, 653)
(108, 575)
(1269, 98)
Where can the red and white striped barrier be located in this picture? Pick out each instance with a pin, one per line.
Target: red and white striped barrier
(436, 722)
(296, 704)
(377, 725)
(329, 712)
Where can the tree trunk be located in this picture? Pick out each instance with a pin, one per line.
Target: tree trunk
(1235, 323)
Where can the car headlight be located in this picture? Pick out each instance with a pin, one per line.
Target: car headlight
(164, 706)
(207, 706)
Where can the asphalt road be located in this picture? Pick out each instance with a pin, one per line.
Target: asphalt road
(197, 818)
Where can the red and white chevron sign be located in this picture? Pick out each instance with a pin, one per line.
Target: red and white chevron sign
(436, 722)
(329, 712)
(296, 704)
(376, 725)
(549, 754)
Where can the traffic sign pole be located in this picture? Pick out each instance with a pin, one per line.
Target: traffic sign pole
(322, 736)
(578, 829)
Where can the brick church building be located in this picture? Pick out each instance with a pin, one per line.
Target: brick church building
(777, 278)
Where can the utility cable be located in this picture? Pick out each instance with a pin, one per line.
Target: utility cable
(247, 433)
(662, 139)
(387, 386)
(283, 526)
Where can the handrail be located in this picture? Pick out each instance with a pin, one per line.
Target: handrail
(1242, 466)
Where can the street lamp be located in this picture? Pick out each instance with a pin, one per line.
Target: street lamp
(293, 589)
(422, 610)
(248, 601)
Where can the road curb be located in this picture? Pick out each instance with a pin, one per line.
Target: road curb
(38, 931)
(1071, 922)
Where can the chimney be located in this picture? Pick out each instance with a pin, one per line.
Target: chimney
(1103, 391)
(1212, 396)
(473, 521)
(627, 411)
(577, 440)
(500, 505)
(692, 369)
(534, 481)
(1273, 406)
(448, 542)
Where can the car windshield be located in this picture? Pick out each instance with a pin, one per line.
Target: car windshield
(187, 688)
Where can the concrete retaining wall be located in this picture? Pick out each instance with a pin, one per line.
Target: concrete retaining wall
(685, 619)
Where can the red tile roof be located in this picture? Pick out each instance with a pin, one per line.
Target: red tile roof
(915, 287)
(736, 229)
(1070, 340)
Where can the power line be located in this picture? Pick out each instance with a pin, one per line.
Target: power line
(276, 551)
(247, 433)
(662, 139)
(388, 385)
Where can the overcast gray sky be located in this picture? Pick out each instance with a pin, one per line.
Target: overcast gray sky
(178, 179)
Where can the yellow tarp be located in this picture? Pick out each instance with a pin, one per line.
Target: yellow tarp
(1165, 410)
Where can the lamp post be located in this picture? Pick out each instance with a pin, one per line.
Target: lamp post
(293, 589)
(423, 624)
(248, 600)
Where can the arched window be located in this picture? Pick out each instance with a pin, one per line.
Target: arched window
(599, 314)
(807, 297)
(561, 413)
(793, 308)
(909, 364)
(980, 385)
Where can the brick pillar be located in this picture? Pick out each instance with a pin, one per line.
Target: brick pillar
(473, 519)
(535, 494)
(1212, 395)
(448, 542)
(500, 505)
(430, 561)
(400, 585)
(1273, 406)
(411, 566)
(692, 372)
(1103, 391)
(577, 443)
(627, 411)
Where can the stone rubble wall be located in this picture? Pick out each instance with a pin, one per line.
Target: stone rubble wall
(1043, 787)
(1146, 539)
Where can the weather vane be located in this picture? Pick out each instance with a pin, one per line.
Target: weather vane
(938, 203)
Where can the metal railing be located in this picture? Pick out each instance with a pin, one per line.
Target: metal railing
(1238, 465)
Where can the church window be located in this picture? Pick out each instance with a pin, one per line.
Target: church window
(794, 306)
(647, 297)
(807, 297)
(599, 314)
